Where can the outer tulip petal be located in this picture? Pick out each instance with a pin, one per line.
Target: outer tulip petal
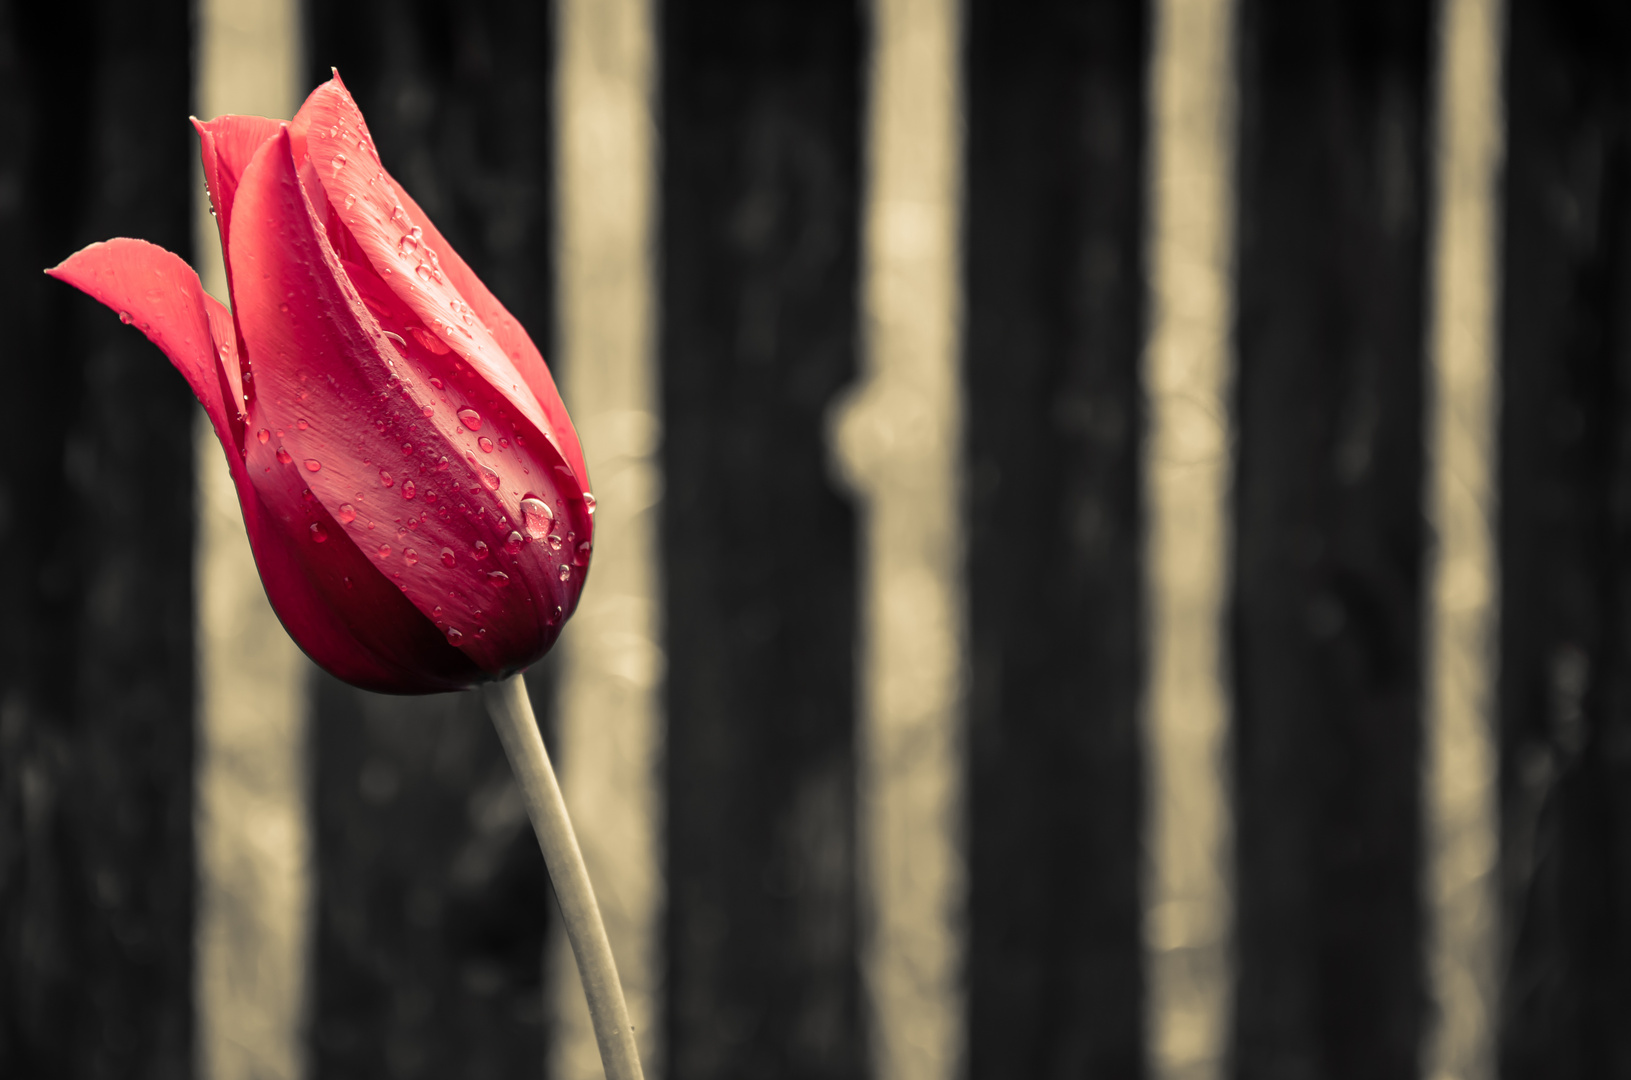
(382, 218)
(360, 420)
(158, 293)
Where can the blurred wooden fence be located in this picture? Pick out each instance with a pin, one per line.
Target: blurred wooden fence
(1054, 937)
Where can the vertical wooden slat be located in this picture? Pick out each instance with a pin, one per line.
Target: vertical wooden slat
(611, 660)
(1055, 294)
(1565, 532)
(96, 545)
(252, 945)
(898, 440)
(760, 179)
(1186, 375)
(1460, 808)
(432, 899)
(1333, 202)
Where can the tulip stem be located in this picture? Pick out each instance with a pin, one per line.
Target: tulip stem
(518, 731)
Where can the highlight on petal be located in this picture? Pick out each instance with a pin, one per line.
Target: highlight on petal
(370, 425)
(401, 243)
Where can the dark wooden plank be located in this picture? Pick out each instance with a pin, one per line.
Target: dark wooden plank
(758, 216)
(1328, 562)
(96, 542)
(1055, 318)
(1565, 540)
(433, 902)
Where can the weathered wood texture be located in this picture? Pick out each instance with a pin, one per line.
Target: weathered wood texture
(1055, 205)
(1565, 538)
(1329, 538)
(96, 542)
(761, 117)
(432, 898)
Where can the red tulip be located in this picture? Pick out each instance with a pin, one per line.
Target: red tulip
(412, 487)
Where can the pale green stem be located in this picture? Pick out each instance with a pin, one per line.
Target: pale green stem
(518, 731)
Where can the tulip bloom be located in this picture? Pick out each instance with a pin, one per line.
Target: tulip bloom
(413, 490)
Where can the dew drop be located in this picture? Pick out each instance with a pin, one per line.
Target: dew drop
(350, 201)
(283, 456)
(453, 635)
(437, 383)
(301, 424)
(436, 613)
(536, 516)
(385, 551)
(385, 478)
(339, 163)
(441, 463)
(448, 558)
(582, 557)
(407, 489)
(481, 551)
(428, 411)
(512, 543)
(566, 572)
(347, 514)
(588, 499)
(124, 317)
(498, 579)
(411, 556)
(312, 464)
(263, 435)
(554, 542)
(503, 444)
(470, 418)
(318, 533)
(555, 616)
(486, 444)
(422, 271)
(407, 448)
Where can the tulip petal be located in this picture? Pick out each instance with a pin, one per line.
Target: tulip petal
(358, 424)
(226, 145)
(157, 292)
(380, 214)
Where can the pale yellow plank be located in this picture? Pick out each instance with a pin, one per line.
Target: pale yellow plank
(612, 659)
(898, 442)
(1463, 605)
(253, 819)
(1187, 373)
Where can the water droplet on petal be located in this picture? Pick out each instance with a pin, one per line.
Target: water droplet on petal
(312, 465)
(512, 543)
(428, 411)
(339, 163)
(448, 558)
(124, 317)
(385, 478)
(566, 572)
(350, 201)
(407, 448)
(498, 579)
(263, 435)
(555, 616)
(481, 551)
(347, 514)
(437, 383)
(301, 424)
(407, 489)
(486, 444)
(588, 499)
(283, 456)
(412, 556)
(441, 463)
(554, 542)
(423, 272)
(582, 557)
(318, 533)
(470, 418)
(453, 636)
(385, 551)
(536, 516)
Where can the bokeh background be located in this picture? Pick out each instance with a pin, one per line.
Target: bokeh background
(1112, 525)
